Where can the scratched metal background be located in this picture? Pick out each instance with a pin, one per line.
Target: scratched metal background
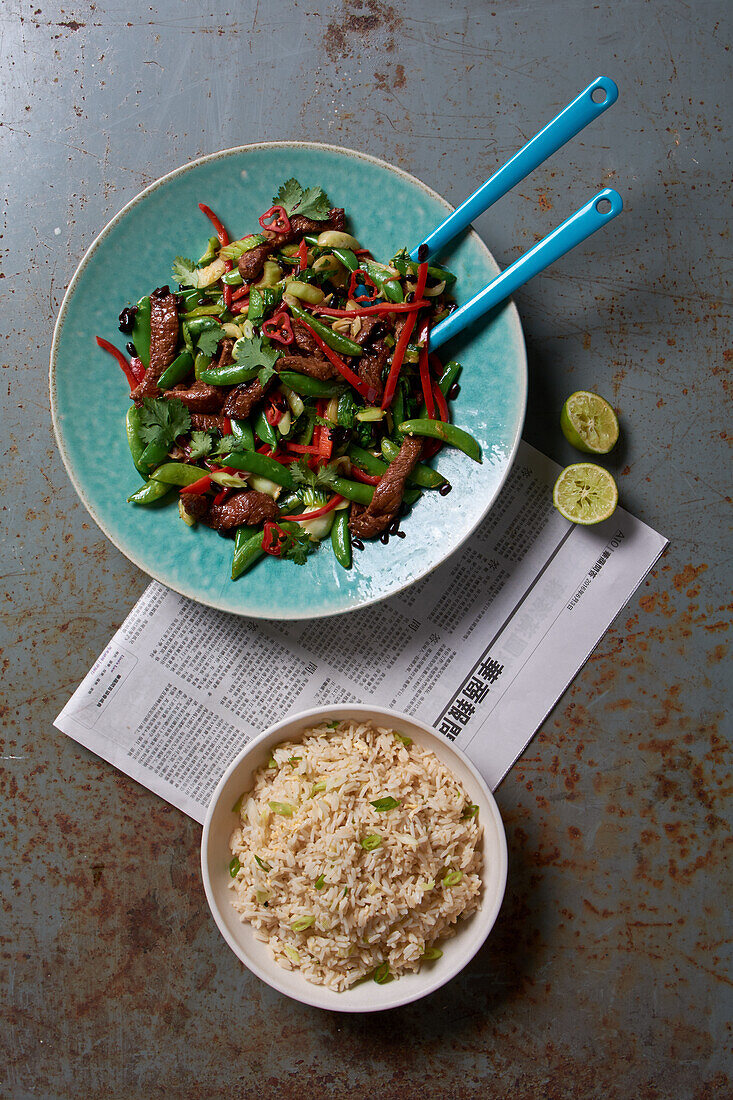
(608, 973)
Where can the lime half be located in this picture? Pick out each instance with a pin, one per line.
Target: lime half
(589, 423)
(585, 493)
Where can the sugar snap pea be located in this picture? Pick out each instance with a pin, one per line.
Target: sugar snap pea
(353, 490)
(335, 340)
(140, 335)
(265, 431)
(176, 372)
(242, 432)
(261, 465)
(247, 550)
(137, 447)
(341, 539)
(149, 492)
(228, 376)
(310, 387)
(446, 433)
(178, 473)
(421, 475)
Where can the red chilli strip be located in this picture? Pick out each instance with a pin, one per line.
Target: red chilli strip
(397, 358)
(367, 392)
(198, 487)
(129, 373)
(137, 367)
(226, 426)
(425, 380)
(302, 449)
(222, 496)
(368, 311)
(333, 503)
(243, 292)
(302, 255)
(441, 403)
(360, 475)
(220, 230)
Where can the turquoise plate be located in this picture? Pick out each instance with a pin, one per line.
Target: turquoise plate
(387, 209)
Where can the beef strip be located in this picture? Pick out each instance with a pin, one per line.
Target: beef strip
(163, 344)
(372, 328)
(225, 357)
(196, 504)
(249, 508)
(307, 364)
(305, 341)
(200, 398)
(203, 422)
(250, 263)
(388, 493)
(242, 399)
(371, 366)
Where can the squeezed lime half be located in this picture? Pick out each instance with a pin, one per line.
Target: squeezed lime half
(585, 493)
(589, 423)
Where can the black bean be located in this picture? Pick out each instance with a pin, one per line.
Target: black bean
(384, 537)
(357, 544)
(127, 319)
(401, 535)
(130, 348)
(393, 527)
(453, 392)
(422, 253)
(161, 292)
(445, 489)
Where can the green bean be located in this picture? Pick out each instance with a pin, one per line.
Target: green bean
(137, 447)
(421, 475)
(389, 285)
(231, 375)
(446, 433)
(178, 473)
(140, 335)
(247, 550)
(242, 431)
(149, 492)
(398, 412)
(265, 431)
(176, 372)
(353, 490)
(341, 539)
(261, 465)
(346, 257)
(310, 387)
(335, 340)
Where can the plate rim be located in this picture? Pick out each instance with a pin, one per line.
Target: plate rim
(221, 605)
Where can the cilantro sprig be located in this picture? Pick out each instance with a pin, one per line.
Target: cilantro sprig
(162, 421)
(255, 352)
(201, 444)
(311, 202)
(303, 475)
(184, 272)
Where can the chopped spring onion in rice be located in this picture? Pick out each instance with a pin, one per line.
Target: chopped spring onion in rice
(388, 803)
(302, 923)
(431, 953)
(263, 864)
(471, 810)
(282, 808)
(370, 842)
(292, 955)
(272, 762)
(406, 741)
(320, 882)
(263, 896)
(318, 788)
(234, 866)
(238, 804)
(294, 759)
(331, 725)
(453, 878)
(382, 974)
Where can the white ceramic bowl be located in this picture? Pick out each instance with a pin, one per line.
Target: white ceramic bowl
(368, 996)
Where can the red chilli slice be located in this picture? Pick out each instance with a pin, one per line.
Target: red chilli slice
(117, 354)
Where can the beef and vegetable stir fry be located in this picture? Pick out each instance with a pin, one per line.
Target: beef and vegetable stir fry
(286, 390)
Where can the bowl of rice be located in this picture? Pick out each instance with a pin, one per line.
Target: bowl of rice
(353, 858)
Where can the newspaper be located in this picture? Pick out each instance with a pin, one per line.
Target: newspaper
(481, 649)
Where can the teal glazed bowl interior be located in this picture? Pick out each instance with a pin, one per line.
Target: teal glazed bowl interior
(387, 209)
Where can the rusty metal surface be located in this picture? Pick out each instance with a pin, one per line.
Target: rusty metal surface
(608, 973)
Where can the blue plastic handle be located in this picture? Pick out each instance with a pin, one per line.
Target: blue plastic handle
(583, 109)
(581, 225)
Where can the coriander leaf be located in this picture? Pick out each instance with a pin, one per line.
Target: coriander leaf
(209, 339)
(161, 420)
(229, 445)
(255, 353)
(288, 196)
(303, 475)
(402, 262)
(325, 422)
(299, 548)
(201, 444)
(184, 272)
(314, 204)
(264, 374)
